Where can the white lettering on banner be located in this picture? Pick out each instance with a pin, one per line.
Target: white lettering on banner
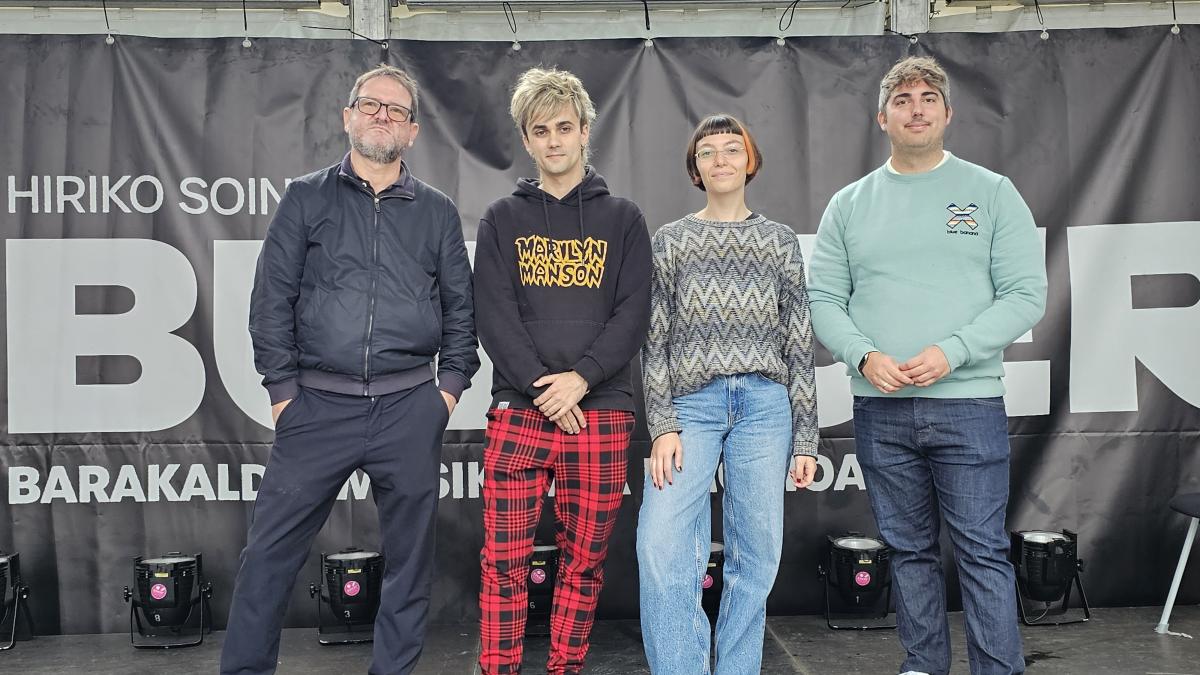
(195, 482)
(251, 474)
(229, 196)
(357, 484)
(1109, 336)
(234, 263)
(225, 196)
(25, 484)
(66, 196)
(58, 486)
(104, 194)
(45, 336)
(847, 475)
(92, 481)
(159, 481)
(128, 486)
(135, 194)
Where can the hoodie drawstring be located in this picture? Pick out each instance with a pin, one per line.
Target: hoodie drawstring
(581, 214)
(546, 212)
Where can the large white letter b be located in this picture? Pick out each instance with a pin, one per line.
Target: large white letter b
(45, 335)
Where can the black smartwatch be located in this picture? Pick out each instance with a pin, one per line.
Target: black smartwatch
(863, 363)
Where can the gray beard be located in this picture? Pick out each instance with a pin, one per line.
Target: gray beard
(384, 153)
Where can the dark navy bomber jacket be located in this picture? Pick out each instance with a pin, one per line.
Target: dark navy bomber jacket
(357, 292)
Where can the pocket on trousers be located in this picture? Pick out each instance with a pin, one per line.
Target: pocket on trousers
(285, 417)
(994, 402)
(441, 402)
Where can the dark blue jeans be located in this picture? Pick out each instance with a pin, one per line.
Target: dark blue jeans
(919, 454)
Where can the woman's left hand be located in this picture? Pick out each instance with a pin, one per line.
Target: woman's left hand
(804, 469)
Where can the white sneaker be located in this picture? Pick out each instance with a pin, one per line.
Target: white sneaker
(913, 672)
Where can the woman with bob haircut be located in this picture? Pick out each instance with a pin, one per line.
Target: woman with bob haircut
(729, 377)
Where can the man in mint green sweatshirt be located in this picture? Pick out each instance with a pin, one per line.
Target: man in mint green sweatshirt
(924, 270)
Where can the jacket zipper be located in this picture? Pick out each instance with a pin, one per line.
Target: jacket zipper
(371, 301)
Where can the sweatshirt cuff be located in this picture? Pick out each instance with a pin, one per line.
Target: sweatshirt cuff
(856, 354)
(955, 351)
(453, 384)
(669, 425)
(285, 390)
(804, 447)
(533, 392)
(590, 371)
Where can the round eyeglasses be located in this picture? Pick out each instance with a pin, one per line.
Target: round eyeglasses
(709, 154)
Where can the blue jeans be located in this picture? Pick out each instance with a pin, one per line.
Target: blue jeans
(917, 454)
(747, 419)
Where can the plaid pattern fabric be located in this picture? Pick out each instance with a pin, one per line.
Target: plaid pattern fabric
(524, 451)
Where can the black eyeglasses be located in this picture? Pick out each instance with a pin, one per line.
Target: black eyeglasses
(369, 106)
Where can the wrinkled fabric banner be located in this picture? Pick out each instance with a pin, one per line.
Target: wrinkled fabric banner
(139, 178)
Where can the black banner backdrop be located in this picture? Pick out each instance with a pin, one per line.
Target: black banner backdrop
(139, 178)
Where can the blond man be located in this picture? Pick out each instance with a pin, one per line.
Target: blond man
(563, 296)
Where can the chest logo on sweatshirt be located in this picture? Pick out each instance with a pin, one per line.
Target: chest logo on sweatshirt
(961, 216)
(561, 262)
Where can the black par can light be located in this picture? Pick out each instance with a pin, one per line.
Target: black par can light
(352, 583)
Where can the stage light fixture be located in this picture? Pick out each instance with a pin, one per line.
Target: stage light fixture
(1046, 563)
(713, 582)
(13, 606)
(859, 567)
(166, 593)
(543, 571)
(353, 581)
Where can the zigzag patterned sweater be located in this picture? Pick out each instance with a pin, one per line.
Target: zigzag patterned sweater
(728, 298)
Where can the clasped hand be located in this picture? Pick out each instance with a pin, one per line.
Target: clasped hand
(922, 370)
(560, 402)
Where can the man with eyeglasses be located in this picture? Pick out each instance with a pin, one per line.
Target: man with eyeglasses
(362, 281)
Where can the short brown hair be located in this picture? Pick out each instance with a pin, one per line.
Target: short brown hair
(722, 123)
(910, 70)
(384, 70)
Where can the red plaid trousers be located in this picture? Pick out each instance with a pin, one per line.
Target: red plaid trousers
(523, 452)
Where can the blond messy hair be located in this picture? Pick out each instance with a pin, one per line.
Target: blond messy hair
(910, 70)
(540, 92)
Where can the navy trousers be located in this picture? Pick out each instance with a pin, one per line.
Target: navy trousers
(320, 439)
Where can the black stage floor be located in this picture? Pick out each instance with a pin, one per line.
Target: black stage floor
(1116, 641)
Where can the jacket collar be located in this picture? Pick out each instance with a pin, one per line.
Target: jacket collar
(403, 187)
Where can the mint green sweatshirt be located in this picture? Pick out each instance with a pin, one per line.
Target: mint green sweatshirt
(949, 257)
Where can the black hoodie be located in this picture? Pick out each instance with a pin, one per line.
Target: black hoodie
(562, 284)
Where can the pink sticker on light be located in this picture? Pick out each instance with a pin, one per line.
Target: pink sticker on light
(862, 578)
(158, 591)
(538, 576)
(708, 582)
(351, 588)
